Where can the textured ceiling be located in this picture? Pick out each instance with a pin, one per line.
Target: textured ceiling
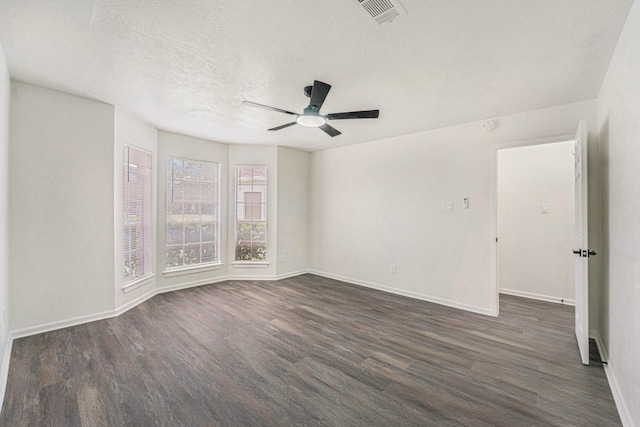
(186, 66)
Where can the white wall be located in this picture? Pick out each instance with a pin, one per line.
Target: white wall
(619, 126)
(132, 131)
(175, 145)
(5, 344)
(293, 211)
(535, 258)
(60, 207)
(379, 204)
(255, 155)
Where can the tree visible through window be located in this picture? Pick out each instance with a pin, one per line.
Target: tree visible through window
(193, 189)
(138, 229)
(251, 213)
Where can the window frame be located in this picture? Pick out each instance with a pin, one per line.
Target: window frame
(240, 206)
(169, 181)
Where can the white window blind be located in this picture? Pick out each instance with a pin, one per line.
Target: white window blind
(251, 213)
(138, 229)
(193, 189)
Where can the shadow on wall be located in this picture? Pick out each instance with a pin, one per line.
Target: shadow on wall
(603, 300)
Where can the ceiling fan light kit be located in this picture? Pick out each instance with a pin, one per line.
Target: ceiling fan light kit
(311, 121)
(311, 116)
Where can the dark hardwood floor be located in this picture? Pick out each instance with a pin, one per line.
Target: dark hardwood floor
(308, 351)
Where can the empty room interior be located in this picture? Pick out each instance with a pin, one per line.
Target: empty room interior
(455, 244)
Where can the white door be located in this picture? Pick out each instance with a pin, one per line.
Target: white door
(581, 244)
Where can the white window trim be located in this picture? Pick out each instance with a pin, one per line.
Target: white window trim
(142, 281)
(199, 268)
(250, 264)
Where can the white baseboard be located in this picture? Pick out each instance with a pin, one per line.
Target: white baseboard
(623, 409)
(292, 274)
(539, 297)
(264, 277)
(135, 302)
(415, 295)
(52, 326)
(192, 284)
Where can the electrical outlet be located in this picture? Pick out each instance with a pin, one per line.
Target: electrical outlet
(394, 269)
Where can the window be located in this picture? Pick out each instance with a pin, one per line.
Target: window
(138, 230)
(192, 212)
(251, 213)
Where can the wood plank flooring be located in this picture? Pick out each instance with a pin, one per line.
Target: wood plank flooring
(308, 351)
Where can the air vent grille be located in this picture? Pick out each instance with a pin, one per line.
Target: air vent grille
(381, 12)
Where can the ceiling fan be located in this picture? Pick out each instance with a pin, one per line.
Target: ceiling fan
(311, 116)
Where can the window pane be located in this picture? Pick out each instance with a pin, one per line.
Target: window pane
(175, 234)
(208, 190)
(259, 232)
(192, 233)
(242, 190)
(243, 251)
(207, 233)
(208, 209)
(190, 209)
(243, 232)
(206, 172)
(175, 191)
(258, 251)
(191, 191)
(259, 174)
(178, 172)
(175, 209)
(207, 252)
(174, 256)
(192, 254)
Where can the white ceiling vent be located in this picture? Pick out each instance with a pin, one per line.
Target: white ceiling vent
(381, 12)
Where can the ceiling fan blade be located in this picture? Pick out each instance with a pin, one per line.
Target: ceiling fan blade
(255, 104)
(369, 114)
(319, 93)
(283, 126)
(331, 131)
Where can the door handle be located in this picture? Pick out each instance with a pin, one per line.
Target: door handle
(584, 253)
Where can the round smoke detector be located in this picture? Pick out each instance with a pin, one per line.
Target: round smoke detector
(489, 126)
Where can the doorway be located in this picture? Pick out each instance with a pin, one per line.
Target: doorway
(533, 218)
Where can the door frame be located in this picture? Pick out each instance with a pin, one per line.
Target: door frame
(493, 217)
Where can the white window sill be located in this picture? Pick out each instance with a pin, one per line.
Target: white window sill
(193, 269)
(145, 280)
(250, 264)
